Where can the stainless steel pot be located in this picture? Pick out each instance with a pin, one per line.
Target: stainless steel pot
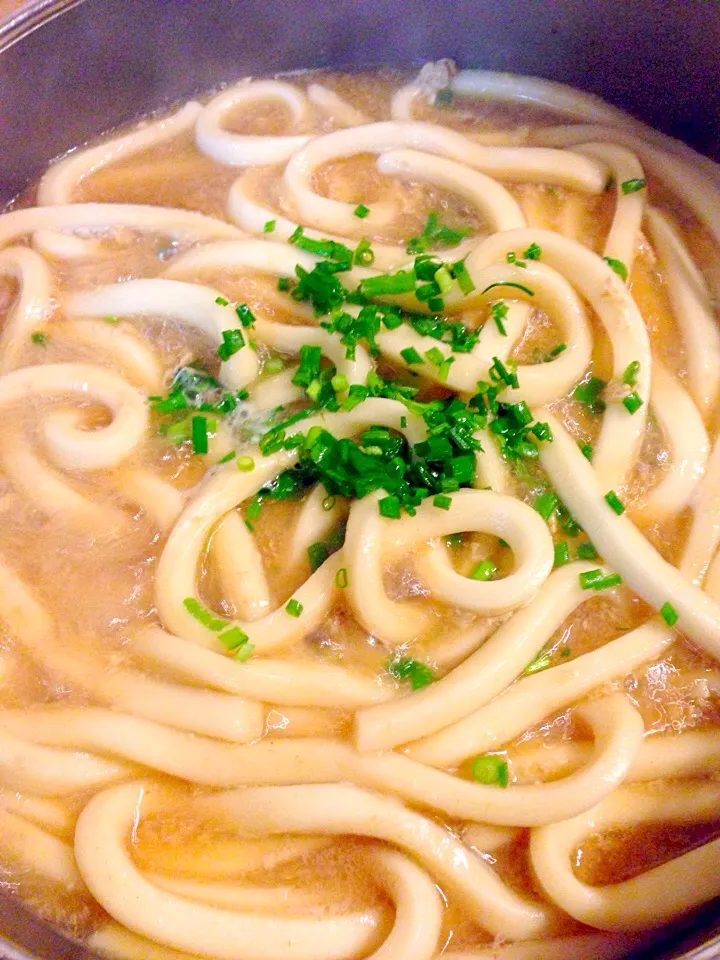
(70, 69)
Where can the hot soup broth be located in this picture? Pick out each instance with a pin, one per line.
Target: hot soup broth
(359, 590)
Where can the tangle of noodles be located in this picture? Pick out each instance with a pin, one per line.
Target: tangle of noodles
(360, 485)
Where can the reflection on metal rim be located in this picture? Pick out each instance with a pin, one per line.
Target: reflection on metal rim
(27, 18)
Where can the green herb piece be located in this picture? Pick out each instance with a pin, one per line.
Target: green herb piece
(562, 553)
(245, 464)
(435, 356)
(317, 554)
(41, 339)
(618, 266)
(272, 366)
(199, 434)
(283, 284)
(633, 185)
(540, 663)
(436, 233)
(220, 301)
(614, 502)
(632, 402)
(509, 283)
(417, 674)
(245, 315)
(227, 458)
(513, 258)
(243, 652)
(442, 501)
(331, 249)
(545, 504)
(443, 279)
(501, 373)
(555, 352)
(361, 211)
(444, 97)
(485, 570)
(411, 356)
(269, 226)
(309, 369)
(328, 503)
(533, 252)
(586, 551)
(499, 312)
(631, 373)
(389, 507)
(589, 392)
(363, 255)
(204, 616)
(388, 283)
(490, 770)
(464, 280)
(339, 383)
(586, 450)
(233, 341)
(669, 614)
(293, 607)
(596, 580)
(233, 638)
(341, 578)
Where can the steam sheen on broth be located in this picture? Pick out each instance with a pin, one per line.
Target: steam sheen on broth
(359, 585)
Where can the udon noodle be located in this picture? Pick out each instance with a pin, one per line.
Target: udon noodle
(359, 577)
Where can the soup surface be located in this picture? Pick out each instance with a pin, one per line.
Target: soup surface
(359, 503)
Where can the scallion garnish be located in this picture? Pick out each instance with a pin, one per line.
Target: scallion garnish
(204, 616)
(388, 283)
(411, 356)
(199, 434)
(484, 570)
(245, 464)
(586, 551)
(442, 501)
(490, 770)
(533, 252)
(341, 578)
(614, 502)
(631, 372)
(669, 614)
(293, 607)
(233, 341)
(618, 266)
(361, 211)
(417, 674)
(389, 507)
(509, 283)
(633, 185)
(632, 402)
(561, 553)
(269, 226)
(545, 504)
(41, 339)
(499, 312)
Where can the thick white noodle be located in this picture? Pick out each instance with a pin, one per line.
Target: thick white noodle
(243, 150)
(64, 176)
(33, 306)
(654, 896)
(506, 163)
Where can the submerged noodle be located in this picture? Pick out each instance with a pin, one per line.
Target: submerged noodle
(363, 634)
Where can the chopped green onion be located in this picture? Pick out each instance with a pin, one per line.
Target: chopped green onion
(442, 501)
(589, 391)
(199, 434)
(540, 663)
(233, 341)
(464, 280)
(204, 616)
(509, 283)
(485, 570)
(533, 252)
(513, 258)
(245, 315)
(269, 226)
(293, 607)
(363, 254)
(631, 373)
(490, 769)
(556, 351)
(562, 553)
(233, 638)
(586, 551)
(114, 321)
(220, 301)
(341, 578)
(435, 356)
(339, 382)
(317, 554)
(669, 614)
(309, 369)
(389, 507)
(361, 211)
(632, 402)
(388, 283)
(499, 372)
(614, 502)
(283, 284)
(443, 279)
(618, 266)
(416, 673)
(545, 504)
(243, 652)
(41, 339)
(632, 186)
(328, 503)
(499, 313)
(596, 580)
(410, 356)
(444, 97)
(586, 450)
(245, 464)
(227, 458)
(273, 365)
